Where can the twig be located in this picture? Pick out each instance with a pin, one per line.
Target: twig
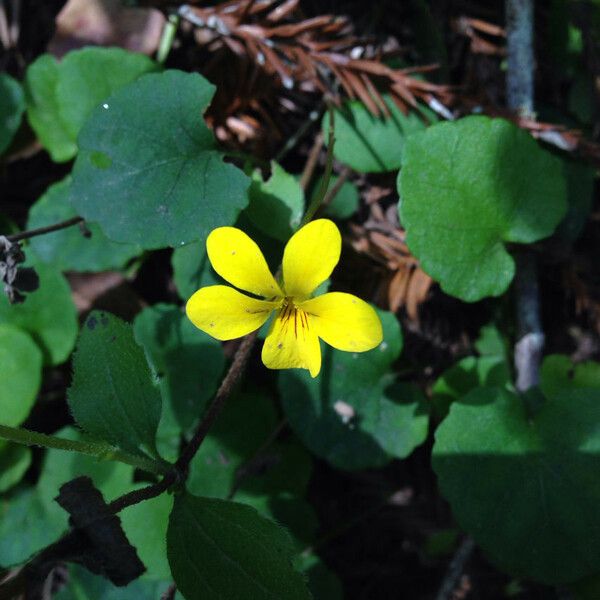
(311, 161)
(24, 235)
(455, 569)
(337, 186)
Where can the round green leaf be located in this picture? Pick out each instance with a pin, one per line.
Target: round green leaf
(353, 414)
(191, 269)
(112, 395)
(14, 462)
(48, 315)
(558, 373)
(145, 525)
(372, 144)
(219, 549)
(12, 105)
(43, 113)
(61, 95)
(466, 188)
(188, 366)
(526, 487)
(277, 204)
(148, 171)
(68, 249)
(90, 75)
(20, 374)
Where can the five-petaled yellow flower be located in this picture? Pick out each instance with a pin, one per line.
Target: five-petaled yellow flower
(342, 320)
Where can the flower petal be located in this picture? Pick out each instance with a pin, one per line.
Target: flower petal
(237, 258)
(225, 313)
(310, 256)
(292, 342)
(344, 321)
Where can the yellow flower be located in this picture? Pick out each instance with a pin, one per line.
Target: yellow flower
(342, 320)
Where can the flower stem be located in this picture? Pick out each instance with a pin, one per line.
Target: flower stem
(320, 195)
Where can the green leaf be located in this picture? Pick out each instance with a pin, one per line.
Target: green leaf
(20, 374)
(83, 585)
(112, 395)
(61, 96)
(559, 373)
(162, 177)
(277, 204)
(526, 487)
(353, 414)
(14, 462)
(191, 269)
(344, 204)
(43, 111)
(370, 144)
(219, 549)
(12, 105)
(30, 517)
(90, 75)
(580, 194)
(466, 188)
(188, 365)
(68, 249)
(145, 525)
(323, 584)
(48, 315)
(213, 468)
(467, 374)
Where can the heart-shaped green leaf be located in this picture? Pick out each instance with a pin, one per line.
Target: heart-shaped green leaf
(155, 181)
(68, 249)
(526, 488)
(61, 95)
(112, 395)
(20, 374)
(219, 549)
(14, 461)
(48, 315)
(12, 105)
(353, 414)
(468, 187)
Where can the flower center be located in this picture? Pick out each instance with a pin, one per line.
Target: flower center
(292, 316)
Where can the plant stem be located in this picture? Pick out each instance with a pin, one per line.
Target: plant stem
(320, 195)
(96, 449)
(519, 95)
(24, 235)
(455, 570)
(167, 38)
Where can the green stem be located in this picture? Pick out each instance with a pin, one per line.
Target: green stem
(166, 40)
(318, 198)
(96, 449)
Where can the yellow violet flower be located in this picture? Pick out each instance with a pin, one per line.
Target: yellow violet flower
(342, 320)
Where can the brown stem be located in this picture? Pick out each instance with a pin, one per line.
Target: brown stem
(235, 371)
(311, 161)
(25, 235)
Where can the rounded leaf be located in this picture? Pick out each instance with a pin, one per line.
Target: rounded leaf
(466, 188)
(526, 487)
(155, 181)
